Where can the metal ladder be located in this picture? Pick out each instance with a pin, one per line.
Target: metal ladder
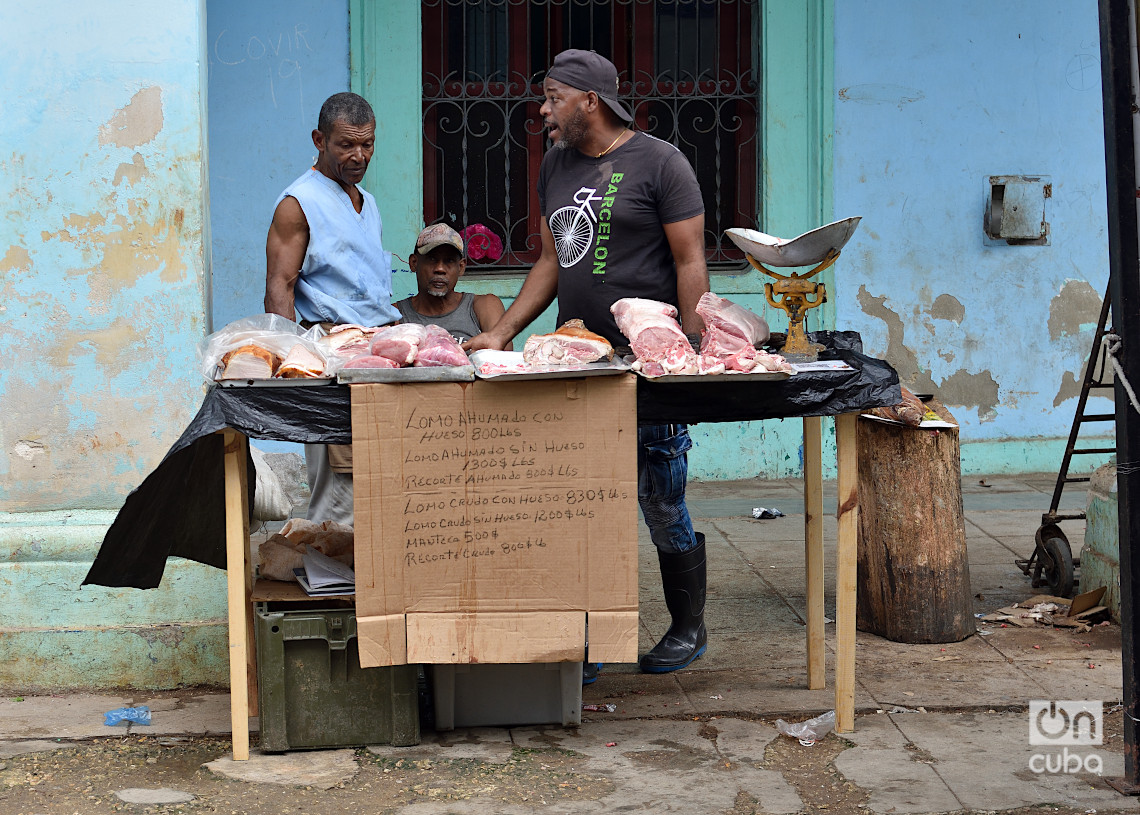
(1052, 564)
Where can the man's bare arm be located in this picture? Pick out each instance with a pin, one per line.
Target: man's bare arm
(488, 311)
(687, 242)
(284, 253)
(537, 293)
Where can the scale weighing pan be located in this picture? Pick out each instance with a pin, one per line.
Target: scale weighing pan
(805, 250)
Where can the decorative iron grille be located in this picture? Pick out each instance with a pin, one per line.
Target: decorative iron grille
(686, 67)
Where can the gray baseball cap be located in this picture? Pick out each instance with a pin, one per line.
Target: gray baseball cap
(590, 71)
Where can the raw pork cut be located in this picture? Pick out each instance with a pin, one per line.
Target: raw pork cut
(249, 362)
(571, 344)
(398, 343)
(439, 349)
(301, 363)
(369, 361)
(729, 328)
(347, 340)
(655, 336)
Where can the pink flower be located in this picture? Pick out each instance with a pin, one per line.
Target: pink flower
(482, 243)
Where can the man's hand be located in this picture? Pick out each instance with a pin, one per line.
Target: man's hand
(537, 293)
(285, 249)
(483, 341)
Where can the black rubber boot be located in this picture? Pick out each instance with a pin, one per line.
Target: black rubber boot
(683, 577)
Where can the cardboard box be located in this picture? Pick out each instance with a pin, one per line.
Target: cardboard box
(495, 521)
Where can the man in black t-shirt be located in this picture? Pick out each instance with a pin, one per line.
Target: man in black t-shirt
(622, 217)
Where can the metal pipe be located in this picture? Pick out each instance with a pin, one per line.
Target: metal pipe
(1119, 87)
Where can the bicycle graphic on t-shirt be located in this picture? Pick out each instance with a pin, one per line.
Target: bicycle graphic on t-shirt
(573, 227)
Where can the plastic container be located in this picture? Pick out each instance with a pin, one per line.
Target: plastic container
(496, 695)
(313, 693)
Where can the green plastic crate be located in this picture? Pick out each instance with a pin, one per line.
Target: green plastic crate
(313, 693)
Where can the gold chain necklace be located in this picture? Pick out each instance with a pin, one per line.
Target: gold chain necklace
(611, 147)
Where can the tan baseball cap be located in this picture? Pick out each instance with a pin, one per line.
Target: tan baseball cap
(438, 235)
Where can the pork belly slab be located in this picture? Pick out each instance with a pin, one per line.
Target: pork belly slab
(570, 344)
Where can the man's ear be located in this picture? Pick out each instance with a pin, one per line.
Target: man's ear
(318, 140)
(462, 266)
(413, 261)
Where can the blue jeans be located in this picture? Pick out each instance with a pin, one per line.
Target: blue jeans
(662, 469)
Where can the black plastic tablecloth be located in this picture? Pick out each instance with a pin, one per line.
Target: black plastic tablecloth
(179, 509)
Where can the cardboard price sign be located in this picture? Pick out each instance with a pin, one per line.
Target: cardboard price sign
(493, 517)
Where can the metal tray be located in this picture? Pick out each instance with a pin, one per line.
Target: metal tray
(766, 376)
(299, 382)
(442, 373)
(560, 372)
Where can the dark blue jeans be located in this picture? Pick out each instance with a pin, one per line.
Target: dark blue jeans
(662, 470)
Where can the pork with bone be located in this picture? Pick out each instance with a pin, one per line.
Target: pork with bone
(439, 349)
(655, 336)
(729, 328)
(571, 344)
(398, 343)
(301, 363)
(249, 361)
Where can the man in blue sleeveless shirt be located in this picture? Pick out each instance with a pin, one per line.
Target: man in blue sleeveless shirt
(325, 262)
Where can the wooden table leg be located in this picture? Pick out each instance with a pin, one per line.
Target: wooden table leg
(845, 572)
(813, 550)
(237, 587)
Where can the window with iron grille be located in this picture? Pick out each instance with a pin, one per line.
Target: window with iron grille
(685, 67)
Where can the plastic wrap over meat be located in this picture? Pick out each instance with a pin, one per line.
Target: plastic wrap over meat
(439, 349)
(398, 343)
(255, 348)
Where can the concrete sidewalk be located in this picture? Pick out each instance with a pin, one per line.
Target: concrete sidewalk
(939, 728)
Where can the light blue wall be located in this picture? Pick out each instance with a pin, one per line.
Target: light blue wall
(932, 99)
(271, 65)
(102, 270)
(102, 301)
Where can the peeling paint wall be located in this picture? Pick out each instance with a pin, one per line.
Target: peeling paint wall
(102, 270)
(1001, 333)
(103, 284)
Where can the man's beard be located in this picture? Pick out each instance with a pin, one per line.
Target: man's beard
(574, 132)
(437, 293)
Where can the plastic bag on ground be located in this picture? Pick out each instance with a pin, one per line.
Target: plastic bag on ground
(811, 731)
(128, 715)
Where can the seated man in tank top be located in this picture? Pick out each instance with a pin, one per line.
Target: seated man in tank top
(438, 262)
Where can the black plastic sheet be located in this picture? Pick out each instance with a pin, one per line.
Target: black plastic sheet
(179, 509)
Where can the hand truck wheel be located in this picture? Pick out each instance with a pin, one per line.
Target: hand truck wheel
(1054, 567)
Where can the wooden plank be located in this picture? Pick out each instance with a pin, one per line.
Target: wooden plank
(237, 596)
(813, 550)
(247, 578)
(845, 571)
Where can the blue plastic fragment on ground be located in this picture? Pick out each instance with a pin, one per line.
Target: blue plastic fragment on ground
(127, 715)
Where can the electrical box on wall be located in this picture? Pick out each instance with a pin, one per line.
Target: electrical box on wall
(1015, 210)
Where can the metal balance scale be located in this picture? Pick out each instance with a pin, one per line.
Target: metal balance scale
(795, 293)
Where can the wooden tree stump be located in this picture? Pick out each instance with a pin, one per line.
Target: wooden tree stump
(914, 576)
